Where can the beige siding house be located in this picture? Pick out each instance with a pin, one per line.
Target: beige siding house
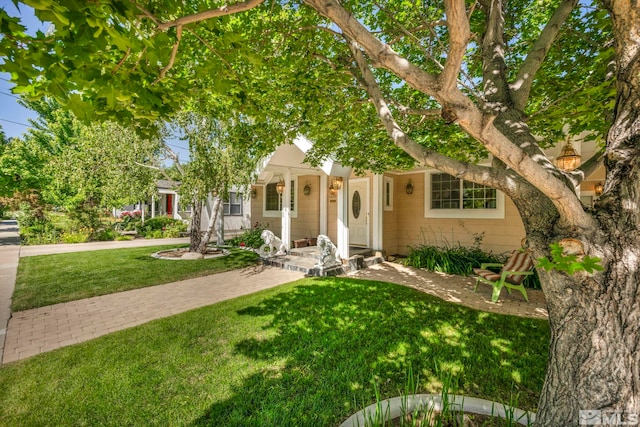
(385, 212)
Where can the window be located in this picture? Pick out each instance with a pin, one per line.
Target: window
(273, 200)
(451, 197)
(388, 194)
(233, 205)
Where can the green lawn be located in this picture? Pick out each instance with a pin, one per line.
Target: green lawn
(301, 354)
(50, 279)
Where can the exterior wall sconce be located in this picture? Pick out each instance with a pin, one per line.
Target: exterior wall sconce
(598, 189)
(409, 188)
(333, 192)
(254, 193)
(307, 189)
(568, 159)
(280, 186)
(337, 183)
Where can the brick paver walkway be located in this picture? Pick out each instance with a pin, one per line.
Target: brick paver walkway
(35, 331)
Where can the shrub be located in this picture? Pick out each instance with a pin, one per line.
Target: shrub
(456, 260)
(452, 260)
(103, 235)
(74, 237)
(39, 234)
(174, 230)
(157, 223)
(251, 238)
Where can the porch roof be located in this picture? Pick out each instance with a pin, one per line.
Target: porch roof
(290, 157)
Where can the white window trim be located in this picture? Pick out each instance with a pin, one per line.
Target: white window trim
(387, 180)
(239, 196)
(497, 213)
(278, 214)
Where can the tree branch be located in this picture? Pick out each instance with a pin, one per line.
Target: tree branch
(536, 169)
(496, 89)
(459, 33)
(403, 109)
(212, 13)
(174, 52)
(124, 58)
(479, 174)
(521, 87)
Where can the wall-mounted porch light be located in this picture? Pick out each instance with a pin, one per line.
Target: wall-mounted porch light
(280, 186)
(307, 189)
(409, 188)
(568, 159)
(254, 193)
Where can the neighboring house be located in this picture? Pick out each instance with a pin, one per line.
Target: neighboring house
(235, 211)
(386, 212)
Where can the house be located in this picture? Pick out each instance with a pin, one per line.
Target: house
(386, 212)
(234, 215)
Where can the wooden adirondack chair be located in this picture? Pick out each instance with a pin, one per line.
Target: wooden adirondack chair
(511, 275)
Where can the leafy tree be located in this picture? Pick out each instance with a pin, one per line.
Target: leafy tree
(21, 167)
(444, 82)
(219, 160)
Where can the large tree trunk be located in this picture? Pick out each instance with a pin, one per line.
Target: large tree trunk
(593, 354)
(595, 321)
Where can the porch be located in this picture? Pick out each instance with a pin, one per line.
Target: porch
(305, 260)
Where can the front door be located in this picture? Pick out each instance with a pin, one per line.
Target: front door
(359, 212)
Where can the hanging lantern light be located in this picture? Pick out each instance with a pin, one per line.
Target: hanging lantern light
(568, 159)
(280, 186)
(598, 189)
(337, 183)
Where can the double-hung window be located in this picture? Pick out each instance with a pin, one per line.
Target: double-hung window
(233, 204)
(451, 197)
(273, 200)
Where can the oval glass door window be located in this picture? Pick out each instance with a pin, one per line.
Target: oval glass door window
(356, 204)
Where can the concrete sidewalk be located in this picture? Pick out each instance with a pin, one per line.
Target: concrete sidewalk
(9, 256)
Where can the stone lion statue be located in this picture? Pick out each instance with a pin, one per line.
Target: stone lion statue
(328, 256)
(273, 242)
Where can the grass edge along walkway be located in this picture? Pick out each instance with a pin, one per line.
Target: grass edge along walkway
(51, 279)
(43, 329)
(304, 353)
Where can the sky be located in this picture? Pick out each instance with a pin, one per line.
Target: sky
(14, 118)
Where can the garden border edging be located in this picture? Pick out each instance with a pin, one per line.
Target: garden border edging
(397, 406)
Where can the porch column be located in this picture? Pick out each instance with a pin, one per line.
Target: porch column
(343, 219)
(378, 212)
(153, 206)
(324, 203)
(286, 210)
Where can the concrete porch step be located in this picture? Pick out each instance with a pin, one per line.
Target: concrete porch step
(305, 260)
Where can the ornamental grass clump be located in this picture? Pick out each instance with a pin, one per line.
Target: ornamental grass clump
(458, 260)
(452, 260)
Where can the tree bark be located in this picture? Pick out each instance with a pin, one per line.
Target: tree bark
(594, 359)
(213, 216)
(195, 236)
(593, 354)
